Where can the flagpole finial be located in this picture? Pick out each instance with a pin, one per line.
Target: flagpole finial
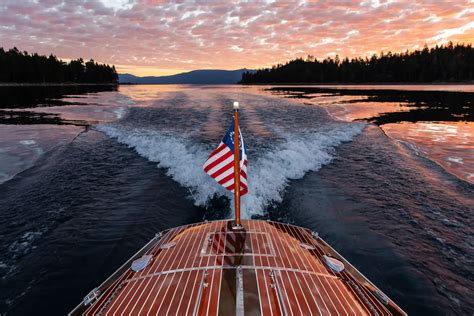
(236, 105)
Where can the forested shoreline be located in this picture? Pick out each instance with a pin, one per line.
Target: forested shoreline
(23, 67)
(450, 63)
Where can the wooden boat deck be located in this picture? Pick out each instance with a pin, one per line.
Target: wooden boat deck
(267, 268)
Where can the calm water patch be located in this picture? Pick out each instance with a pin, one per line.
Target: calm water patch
(435, 121)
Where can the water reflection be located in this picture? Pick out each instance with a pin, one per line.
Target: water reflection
(36, 119)
(38, 96)
(28, 105)
(449, 144)
(382, 106)
(32, 118)
(147, 93)
(22, 146)
(437, 124)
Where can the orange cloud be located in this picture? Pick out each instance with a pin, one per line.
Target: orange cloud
(147, 37)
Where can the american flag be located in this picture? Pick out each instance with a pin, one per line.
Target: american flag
(220, 164)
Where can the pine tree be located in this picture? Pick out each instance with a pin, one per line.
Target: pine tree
(450, 63)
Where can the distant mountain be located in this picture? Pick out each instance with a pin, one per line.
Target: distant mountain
(192, 77)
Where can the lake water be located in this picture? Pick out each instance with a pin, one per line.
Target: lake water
(385, 174)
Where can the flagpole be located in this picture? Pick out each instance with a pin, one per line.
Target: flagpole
(236, 166)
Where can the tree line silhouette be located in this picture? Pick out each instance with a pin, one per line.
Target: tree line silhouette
(450, 63)
(22, 67)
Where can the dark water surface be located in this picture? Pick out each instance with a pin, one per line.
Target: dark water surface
(79, 195)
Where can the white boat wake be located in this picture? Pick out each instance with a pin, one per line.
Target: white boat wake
(268, 174)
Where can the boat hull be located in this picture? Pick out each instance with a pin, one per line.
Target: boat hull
(210, 268)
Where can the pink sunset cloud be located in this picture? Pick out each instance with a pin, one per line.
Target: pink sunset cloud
(162, 37)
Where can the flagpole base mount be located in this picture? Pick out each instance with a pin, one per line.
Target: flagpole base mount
(237, 227)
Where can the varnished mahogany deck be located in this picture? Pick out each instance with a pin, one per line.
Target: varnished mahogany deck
(267, 268)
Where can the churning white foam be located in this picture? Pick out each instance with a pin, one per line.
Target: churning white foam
(292, 159)
(268, 175)
(182, 159)
(120, 112)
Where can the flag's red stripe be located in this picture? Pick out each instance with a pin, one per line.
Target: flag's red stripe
(218, 161)
(243, 189)
(225, 179)
(225, 168)
(217, 150)
(243, 186)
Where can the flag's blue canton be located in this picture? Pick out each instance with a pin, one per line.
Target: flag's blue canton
(229, 140)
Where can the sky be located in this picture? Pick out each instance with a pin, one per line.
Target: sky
(156, 37)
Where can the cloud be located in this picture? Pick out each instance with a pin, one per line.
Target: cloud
(160, 36)
(444, 35)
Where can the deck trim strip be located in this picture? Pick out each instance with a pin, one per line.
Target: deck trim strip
(216, 267)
